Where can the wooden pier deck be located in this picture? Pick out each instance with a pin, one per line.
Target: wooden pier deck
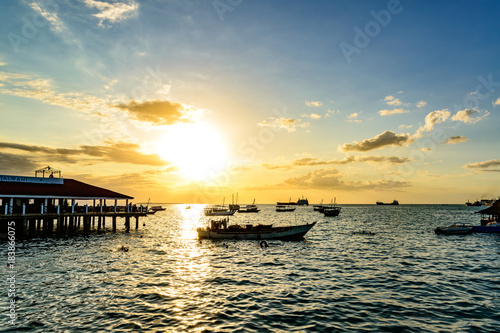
(53, 224)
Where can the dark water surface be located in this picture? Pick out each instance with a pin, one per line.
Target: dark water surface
(404, 278)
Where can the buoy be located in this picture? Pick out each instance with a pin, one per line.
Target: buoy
(263, 244)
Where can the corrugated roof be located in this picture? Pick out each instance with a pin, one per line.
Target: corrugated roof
(69, 189)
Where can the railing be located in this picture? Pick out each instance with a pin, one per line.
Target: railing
(64, 209)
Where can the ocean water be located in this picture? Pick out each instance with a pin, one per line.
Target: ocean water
(397, 277)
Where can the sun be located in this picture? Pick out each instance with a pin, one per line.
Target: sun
(196, 149)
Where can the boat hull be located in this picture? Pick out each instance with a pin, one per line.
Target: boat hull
(331, 212)
(283, 233)
(248, 211)
(453, 230)
(228, 213)
(486, 229)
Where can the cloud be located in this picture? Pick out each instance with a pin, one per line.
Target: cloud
(497, 102)
(159, 112)
(312, 116)
(313, 161)
(332, 179)
(288, 124)
(41, 89)
(456, 139)
(113, 12)
(465, 116)
(433, 118)
(352, 118)
(329, 113)
(117, 152)
(56, 25)
(315, 104)
(384, 159)
(12, 163)
(484, 165)
(421, 104)
(316, 179)
(388, 138)
(390, 112)
(391, 100)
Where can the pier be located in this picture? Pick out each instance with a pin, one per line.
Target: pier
(47, 206)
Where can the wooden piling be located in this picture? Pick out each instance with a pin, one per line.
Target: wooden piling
(114, 223)
(127, 223)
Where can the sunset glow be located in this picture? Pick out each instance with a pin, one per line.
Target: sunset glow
(197, 150)
(191, 101)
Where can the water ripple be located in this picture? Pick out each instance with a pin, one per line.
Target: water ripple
(396, 276)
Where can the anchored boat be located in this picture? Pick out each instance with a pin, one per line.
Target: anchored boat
(454, 229)
(219, 229)
(249, 208)
(283, 208)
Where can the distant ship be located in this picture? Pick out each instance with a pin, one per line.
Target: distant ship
(475, 203)
(300, 202)
(394, 203)
(303, 202)
(488, 202)
(289, 203)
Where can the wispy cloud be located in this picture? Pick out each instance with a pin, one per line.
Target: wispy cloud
(118, 152)
(289, 124)
(421, 104)
(353, 118)
(391, 112)
(485, 166)
(311, 116)
(41, 89)
(387, 138)
(329, 112)
(497, 102)
(113, 12)
(456, 139)
(13, 163)
(391, 100)
(315, 104)
(331, 178)
(56, 25)
(313, 161)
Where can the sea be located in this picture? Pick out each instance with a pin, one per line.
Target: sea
(370, 269)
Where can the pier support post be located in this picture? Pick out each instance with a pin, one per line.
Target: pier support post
(127, 224)
(32, 227)
(99, 218)
(136, 222)
(114, 223)
(60, 221)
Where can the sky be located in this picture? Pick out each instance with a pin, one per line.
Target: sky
(195, 101)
